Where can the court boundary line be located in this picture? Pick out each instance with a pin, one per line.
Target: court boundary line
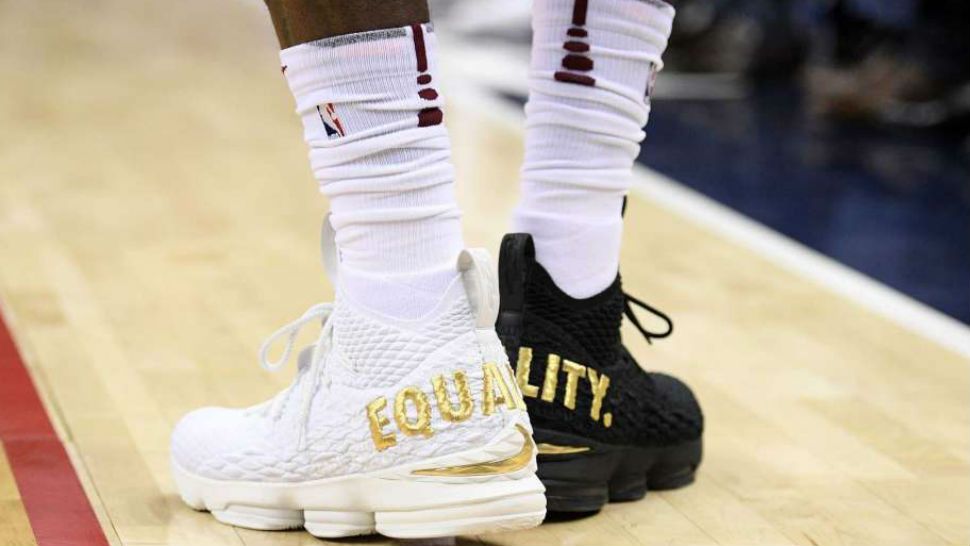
(50, 489)
(792, 255)
(779, 249)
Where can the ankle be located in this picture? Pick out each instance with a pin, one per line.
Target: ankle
(403, 296)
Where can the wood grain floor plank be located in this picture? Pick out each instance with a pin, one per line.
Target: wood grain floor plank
(14, 525)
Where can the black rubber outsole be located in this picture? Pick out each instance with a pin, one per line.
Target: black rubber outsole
(585, 475)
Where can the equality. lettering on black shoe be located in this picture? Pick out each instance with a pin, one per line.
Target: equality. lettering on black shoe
(498, 390)
(599, 383)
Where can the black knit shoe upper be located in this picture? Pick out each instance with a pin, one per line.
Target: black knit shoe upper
(580, 379)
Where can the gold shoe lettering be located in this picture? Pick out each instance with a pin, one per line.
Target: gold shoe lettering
(553, 449)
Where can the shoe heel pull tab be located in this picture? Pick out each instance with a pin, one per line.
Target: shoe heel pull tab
(328, 250)
(515, 260)
(481, 285)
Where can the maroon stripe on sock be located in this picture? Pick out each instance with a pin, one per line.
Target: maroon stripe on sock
(424, 79)
(576, 47)
(579, 12)
(577, 33)
(577, 62)
(417, 31)
(579, 79)
(428, 94)
(429, 117)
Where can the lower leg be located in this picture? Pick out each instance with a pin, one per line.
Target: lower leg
(593, 65)
(407, 337)
(373, 122)
(562, 303)
(301, 21)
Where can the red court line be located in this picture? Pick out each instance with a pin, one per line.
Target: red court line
(58, 510)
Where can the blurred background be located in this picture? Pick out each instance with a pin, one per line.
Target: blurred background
(844, 124)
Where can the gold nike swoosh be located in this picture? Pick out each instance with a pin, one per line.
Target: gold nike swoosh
(553, 449)
(503, 466)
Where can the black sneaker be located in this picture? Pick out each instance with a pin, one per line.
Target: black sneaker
(606, 429)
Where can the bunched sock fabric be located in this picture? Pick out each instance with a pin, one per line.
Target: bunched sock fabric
(593, 67)
(373, 122)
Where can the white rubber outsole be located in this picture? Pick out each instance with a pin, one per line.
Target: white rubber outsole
(456, 509)
(508, 514)
(392, 502)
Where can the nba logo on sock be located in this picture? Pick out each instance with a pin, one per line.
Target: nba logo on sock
(328, 116)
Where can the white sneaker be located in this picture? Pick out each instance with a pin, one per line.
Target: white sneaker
(411, 429)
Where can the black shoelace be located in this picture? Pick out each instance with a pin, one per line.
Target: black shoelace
(628, 309)
(629, 301)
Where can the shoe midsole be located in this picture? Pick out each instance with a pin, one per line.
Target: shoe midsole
(388, 490)
(600, 463)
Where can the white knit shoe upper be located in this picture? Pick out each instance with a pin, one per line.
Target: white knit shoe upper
(364, 398)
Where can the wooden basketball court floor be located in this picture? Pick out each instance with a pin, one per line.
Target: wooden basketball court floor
(158, 219)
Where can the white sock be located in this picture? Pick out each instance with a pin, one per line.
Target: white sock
(373, 122)
(593, 64)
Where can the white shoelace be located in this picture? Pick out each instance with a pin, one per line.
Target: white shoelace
(306, 379)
